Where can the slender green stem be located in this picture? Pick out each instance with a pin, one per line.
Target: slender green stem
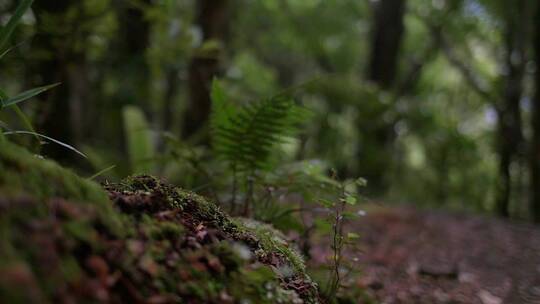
(249, 195)
(101, 172)
(234, 189)
(337, 244)
(8, 29)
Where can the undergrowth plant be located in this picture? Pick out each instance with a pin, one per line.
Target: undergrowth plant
(246, 136)
(140, 148)
(340, 240)
(13, 102)
(330, 204)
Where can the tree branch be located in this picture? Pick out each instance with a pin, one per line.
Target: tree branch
(472, 79)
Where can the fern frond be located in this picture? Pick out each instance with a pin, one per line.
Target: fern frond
(246, 136)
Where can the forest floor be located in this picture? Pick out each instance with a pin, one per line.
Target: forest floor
(411, 256)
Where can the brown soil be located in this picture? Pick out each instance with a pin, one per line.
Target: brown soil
(412, 256)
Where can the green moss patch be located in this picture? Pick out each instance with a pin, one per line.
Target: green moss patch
(65, 239)
(144, 195)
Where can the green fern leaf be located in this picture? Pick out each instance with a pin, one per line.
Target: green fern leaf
(247, 136)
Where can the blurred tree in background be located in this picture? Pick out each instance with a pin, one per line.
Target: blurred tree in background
(212, 21)
(535, 124)
(435, 102)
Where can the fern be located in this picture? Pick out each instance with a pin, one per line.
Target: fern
(247, 136)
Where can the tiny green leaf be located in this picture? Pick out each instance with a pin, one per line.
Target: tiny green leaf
(350, 215)
(362, 182)
(352, 236)
(326, 203)
(323, 225)
(26, 95)
(351, 200)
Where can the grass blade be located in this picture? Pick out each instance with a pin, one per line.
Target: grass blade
(26, 95)
(3, 125)
(26, 121)
(101, 172)
(69, 147)
(7, 30)
(9, 50)
(4, 53)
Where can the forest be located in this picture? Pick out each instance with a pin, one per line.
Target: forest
(270, 151)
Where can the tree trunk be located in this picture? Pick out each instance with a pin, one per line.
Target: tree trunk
(57, 61)
(387, 34)
(130, 55)
(510, 135)
(168, 100)
(535, 145)
(213, 20)
(388, 31)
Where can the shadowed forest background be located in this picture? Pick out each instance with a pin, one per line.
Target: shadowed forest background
(431, 103)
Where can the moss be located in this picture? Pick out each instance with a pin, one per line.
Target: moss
(22, 173)
(270, 240)
(266, 243)
(273, 240)
(65, 239)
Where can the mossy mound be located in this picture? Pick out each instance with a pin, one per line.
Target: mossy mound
(64, 239)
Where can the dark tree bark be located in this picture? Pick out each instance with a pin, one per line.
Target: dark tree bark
(130, 54)
(135, 29)
(387, 34)
(58, 61)
(213, 20)
(126, 65)
(535, 145)
(510, 135)
(506, 101)
(168, 100)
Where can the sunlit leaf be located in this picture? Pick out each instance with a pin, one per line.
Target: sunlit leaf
(326, 203)
(351, 200)
(362, 182)
(139, 139)
(352, 235)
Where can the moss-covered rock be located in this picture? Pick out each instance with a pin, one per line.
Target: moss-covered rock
(66, 239)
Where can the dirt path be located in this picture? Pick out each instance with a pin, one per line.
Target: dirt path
(435, 257)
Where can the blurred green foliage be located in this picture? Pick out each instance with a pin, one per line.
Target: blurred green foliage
(428, 140)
